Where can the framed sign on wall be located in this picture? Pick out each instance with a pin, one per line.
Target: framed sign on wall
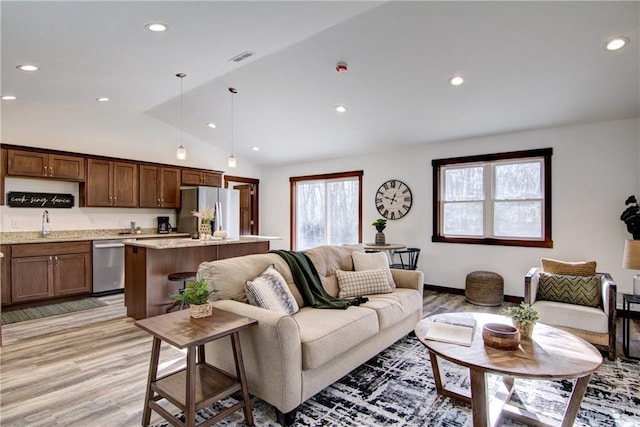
(21, 199)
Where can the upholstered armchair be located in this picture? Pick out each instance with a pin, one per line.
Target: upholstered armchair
(596, 324)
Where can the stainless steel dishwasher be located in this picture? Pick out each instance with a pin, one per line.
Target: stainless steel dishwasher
(108, 267)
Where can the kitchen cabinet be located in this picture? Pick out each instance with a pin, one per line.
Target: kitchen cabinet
(3, 172)
(159, 187)
(5, 275)
(110, 184)
(42, 271)
(198, 177)
(37, 164)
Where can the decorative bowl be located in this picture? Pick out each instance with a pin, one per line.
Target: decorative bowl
(500, 336)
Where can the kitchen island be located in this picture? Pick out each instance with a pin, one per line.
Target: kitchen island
(149, 262)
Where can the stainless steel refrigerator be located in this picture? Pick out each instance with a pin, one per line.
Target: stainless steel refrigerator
(225, 201)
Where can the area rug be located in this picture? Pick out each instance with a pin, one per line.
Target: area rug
(397, 388)
(31, 313)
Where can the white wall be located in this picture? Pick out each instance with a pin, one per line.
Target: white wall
(594, 169)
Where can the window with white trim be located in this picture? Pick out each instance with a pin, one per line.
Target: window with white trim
(502, 199)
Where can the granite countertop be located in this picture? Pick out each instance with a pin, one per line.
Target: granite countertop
(8, 238)
(189, 243)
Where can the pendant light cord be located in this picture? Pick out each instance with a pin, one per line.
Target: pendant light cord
(232, 122)
(181, 111)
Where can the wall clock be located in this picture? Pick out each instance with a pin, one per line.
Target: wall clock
(393, 199)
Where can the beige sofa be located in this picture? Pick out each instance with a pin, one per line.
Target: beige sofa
(289, 358)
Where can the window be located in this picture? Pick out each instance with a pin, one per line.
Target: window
(326, 209)
(495, 199)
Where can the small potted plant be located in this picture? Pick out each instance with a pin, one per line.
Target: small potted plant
(138, 230)
(524, 318)
(380, 224)
(196, 294)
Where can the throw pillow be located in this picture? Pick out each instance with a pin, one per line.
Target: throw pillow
(586, 268)
(373, 261)
(358, 283)
(270, 291)
(579, 290)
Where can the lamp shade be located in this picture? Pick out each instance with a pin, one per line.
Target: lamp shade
(631, 258)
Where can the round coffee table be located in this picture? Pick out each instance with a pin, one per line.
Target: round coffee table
(551, 354)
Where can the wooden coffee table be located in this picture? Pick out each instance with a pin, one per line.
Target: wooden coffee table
(199, 384)
(551, 354)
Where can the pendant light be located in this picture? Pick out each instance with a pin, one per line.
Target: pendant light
(232, 160)
(181, 153)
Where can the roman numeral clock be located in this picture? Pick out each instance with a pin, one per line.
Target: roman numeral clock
(394, 199)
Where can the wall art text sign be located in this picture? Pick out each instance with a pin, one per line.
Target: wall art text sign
(19, 199)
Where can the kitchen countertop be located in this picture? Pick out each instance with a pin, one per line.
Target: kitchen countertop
(189, 243)
(15, 237)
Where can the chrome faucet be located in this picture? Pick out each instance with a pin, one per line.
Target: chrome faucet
(45, 221)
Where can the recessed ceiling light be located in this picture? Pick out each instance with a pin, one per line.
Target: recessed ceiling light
(27, 67)
(157, 27)
(456, 80)
(8, 98)
(616, 44)
(255, 148)
(211, 125)
(103, 99)
(341, 108)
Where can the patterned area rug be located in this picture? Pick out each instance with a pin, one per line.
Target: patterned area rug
(397, 387)
(31, 313)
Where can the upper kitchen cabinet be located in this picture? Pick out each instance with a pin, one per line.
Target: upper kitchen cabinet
(37, 164)
(110, 184)
(199, 177)
(3, 172)
(159, 187)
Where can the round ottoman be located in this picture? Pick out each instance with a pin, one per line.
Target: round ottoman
(484, 288)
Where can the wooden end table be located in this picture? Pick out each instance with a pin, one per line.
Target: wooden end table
(199, 384)
(550, 354)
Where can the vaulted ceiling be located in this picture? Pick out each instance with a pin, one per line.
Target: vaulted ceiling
(526, 65)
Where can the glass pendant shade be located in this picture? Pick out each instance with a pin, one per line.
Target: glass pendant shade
(181, 153)
(231, 161)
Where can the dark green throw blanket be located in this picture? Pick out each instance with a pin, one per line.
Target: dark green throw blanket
(308, 282)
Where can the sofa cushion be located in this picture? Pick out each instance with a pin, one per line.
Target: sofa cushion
(229, 275)
(359, 283)
(372, 261)
(570, 289)
(328, 259)
(270, 291)
(572, 316)
(586, 268)
(326, 334)
(394, 307)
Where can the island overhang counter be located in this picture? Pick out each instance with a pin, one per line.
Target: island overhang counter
(149, 262)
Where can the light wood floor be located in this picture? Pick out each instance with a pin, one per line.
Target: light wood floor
(90, 368)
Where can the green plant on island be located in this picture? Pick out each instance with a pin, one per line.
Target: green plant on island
(195, 293)
(380, 224)
(523, 314)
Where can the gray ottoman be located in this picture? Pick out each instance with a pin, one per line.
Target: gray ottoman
(484, 288)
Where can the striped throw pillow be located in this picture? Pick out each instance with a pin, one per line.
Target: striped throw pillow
(270, 291)
(570, 289)
(359, 283)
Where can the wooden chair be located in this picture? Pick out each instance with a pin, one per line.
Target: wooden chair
(408, 259)
(594, 324)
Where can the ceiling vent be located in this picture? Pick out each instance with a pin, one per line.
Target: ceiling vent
(244, 55)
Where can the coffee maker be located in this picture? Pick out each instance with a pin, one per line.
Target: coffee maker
(163, 225)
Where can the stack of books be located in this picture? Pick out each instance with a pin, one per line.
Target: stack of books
(458, 329)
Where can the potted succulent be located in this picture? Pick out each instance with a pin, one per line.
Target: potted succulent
(196, 294)
(631, 217)
(524, 318)
(380, 224)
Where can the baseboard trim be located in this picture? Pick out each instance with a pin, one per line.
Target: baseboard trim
(458, 291)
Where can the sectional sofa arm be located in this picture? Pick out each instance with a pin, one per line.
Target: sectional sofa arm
(412, 279)
(272, 353)
(531, 285)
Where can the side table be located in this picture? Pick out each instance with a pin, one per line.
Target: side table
(627, 300)
(199, 384)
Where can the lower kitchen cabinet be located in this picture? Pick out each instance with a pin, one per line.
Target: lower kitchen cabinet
(42, 271)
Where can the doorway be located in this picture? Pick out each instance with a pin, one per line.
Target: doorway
(249, 202)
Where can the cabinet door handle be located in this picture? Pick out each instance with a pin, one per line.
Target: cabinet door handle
(111, 200)
(115, 200)
(45, 171)
(56, 260)
(161, 202)
(158, 202)
(50, 170)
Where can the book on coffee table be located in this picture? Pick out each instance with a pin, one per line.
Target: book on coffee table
(454, 330)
